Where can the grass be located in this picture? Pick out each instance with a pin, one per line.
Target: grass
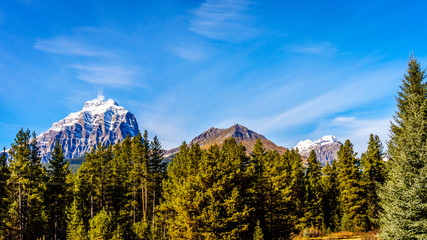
(315, 235)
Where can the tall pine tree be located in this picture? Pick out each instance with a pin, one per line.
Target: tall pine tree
(352, 202)
(373, 176)
(313, 193)
(26, 211)
(330, 199)
(57, 193)
(404, 196)
(4, 177)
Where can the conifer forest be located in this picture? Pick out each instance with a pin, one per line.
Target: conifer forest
(128, 191)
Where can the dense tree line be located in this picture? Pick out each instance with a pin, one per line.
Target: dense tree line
(126, 191)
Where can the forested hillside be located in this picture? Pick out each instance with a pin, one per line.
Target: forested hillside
(126, 191)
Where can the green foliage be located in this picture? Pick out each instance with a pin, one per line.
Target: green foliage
(57, 198)
(75, 228)
(4, 177)
(141, 230)
(118, 233)
(330, 198)
(313, 214)
(26, 211)
(403, 197)
(205, 192)
(125, 192)
(373, 177)
(258, 235)
(283, 187)
(352, 202)
(101, 226)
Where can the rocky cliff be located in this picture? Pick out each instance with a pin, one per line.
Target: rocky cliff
(100, 120)
(326, 148)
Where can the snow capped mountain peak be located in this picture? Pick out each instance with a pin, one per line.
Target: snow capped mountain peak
(100, 105)
(325, 147)
(99, 120)
(306, 144)
(326, 140)
(303, 144)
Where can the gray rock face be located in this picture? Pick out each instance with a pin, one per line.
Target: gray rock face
(99, 121)
(326, 148)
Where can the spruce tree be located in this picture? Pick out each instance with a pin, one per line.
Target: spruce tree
(101, 226)
(285, 194)
(352, 202)
(373, 176)
(76, 229)
(259, 184)
(330, 198)
(313, 194)
(157, 172)
(57, 192)
(258, 235)
(4, 177)
(404, 198)
(26, 210)
(204, 197)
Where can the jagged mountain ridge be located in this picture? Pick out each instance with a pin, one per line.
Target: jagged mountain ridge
(326, 148)
(240, 133)
(100, 120)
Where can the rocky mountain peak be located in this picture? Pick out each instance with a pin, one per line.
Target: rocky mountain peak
(240, 133)
(97, 103)
(99, 120)
(326, 148)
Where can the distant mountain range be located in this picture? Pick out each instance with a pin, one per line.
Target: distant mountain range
(104, 121)
(240, 133)
(100, 120)
(326, 148)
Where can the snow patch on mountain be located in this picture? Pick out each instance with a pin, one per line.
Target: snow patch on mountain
(326, 148)
(99, 120)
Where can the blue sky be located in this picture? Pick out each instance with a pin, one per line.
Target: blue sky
(290, 70)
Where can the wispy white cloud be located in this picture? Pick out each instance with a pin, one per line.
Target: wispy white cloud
(109, 69)
(354, 91)
(320, 48)
(111, 75)
(358, 130)
(190, 50)
(226, 20)
(66, 46)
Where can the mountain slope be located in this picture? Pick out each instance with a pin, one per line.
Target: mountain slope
(240, 133)
(99, 121)
(326, 148)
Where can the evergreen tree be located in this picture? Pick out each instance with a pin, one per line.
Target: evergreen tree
(75, 228)
(157, 172)
(57, 192)
(37, 217)
(258, 232)
(122, 182)
(26, 212)
(352, 203)
(404, 198)
(101, 226)
(330, 199)
(206, 200)
(313, 193)
(285, 194)
(373, 176)
(259, 184)
(4, 177)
